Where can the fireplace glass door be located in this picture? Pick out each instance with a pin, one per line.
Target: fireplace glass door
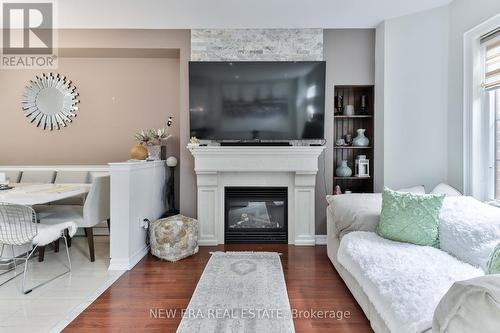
(256, 214)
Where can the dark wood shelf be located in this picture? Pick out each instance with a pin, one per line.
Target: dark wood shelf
(355, 116)
(352, 178)
(348, 125)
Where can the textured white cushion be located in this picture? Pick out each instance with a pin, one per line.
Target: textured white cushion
(404, 282)
(49, 233)
(53, 214)
(469, 229)
(446, 190)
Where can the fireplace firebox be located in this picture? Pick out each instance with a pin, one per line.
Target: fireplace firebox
(256, 215)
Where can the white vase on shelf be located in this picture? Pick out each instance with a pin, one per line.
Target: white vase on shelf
(360, 140)
(343, 170)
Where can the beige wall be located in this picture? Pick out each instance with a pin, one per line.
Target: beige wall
(118, 97)
(163, 86)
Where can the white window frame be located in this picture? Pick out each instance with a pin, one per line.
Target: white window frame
(477, 138)
(491, 123)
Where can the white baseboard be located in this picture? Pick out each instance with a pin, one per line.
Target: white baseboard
(320, 239)
(125, 264)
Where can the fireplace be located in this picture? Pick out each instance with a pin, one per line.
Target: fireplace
(256, 215)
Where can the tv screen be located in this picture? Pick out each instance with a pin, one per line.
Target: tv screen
(257, 100)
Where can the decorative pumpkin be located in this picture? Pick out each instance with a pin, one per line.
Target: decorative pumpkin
(138, 152)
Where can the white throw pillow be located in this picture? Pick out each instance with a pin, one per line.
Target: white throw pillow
(446, 190)
(469, 229)
(420, 189)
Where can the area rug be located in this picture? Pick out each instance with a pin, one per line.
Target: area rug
(239, 292)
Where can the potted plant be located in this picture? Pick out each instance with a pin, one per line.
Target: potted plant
(152, 140)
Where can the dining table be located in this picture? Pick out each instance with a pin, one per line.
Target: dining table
(30, 194)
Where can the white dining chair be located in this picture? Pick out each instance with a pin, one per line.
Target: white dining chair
(18, 227)
(94, 210)
(71, 177)
(12, 176)
(38, 176)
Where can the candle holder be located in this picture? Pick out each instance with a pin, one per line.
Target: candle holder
(363, 108)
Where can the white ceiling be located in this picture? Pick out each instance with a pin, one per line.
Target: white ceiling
(186, 14)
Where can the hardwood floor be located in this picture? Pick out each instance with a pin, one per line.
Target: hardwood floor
(312, 283)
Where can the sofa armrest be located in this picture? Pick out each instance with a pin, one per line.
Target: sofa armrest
(470, 306)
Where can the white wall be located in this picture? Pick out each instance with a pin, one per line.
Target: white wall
(464, 15)
(231, 14)
(137, 193)
(412, 81)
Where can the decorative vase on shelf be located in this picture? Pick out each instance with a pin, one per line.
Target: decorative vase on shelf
(138, 152)
(343, 170)
(361, 140)
(154, 152)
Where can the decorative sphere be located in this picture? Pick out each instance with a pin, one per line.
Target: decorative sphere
(171, 161)
(139, 152)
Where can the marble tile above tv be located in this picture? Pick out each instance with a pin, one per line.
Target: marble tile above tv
(257, 44)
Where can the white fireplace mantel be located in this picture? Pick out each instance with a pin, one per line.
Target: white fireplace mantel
(293, 167)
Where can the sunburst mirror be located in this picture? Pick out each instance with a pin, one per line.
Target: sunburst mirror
(50, 101)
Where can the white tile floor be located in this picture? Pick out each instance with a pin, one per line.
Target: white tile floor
(51, 307)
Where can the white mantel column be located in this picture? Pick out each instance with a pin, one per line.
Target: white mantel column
(292, 167)
(304, 213)
(208, 208)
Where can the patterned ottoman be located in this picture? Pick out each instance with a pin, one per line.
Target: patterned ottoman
(174, 238)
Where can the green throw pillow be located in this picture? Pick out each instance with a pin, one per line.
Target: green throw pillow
(411, 218)
(494, 261)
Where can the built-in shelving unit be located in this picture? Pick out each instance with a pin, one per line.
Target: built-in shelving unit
(343, 124)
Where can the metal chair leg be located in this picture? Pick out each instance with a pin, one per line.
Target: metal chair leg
(12, 268)
(13, 256)
(50, 280)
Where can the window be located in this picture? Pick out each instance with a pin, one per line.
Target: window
(481, 118)
(491, 102)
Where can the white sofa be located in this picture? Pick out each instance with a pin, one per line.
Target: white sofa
(357, 215)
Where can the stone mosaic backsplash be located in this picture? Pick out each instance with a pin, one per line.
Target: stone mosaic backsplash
(257, 44)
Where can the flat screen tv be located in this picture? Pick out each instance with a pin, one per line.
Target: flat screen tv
(267, 101)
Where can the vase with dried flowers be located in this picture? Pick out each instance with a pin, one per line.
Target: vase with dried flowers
(152, 139)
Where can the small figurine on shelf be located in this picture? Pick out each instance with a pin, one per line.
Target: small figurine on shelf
(339, 105)
(194, 142)
(348, 139)
(340, 142)
(337, 190)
